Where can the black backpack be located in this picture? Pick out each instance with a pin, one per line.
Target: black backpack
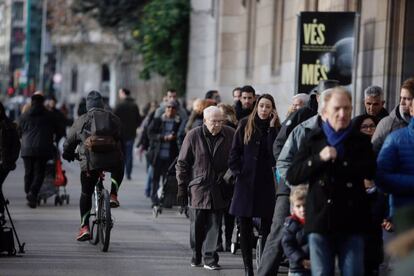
(10, 144)
(102, 150)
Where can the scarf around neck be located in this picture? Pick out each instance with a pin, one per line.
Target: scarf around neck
(336, 138)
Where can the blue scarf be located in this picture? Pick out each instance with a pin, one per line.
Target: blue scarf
(336, 138)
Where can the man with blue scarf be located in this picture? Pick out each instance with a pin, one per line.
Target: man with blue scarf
(335, 159)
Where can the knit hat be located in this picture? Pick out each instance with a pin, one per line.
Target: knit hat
(94, 100)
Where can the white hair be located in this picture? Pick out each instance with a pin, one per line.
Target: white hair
(302, 96)
(207, 112)
(327, 94)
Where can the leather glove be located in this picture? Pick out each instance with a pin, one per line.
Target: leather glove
(182, 198)
(68, 156)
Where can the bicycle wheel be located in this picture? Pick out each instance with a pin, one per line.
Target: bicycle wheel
(93, 220)
(105, 221)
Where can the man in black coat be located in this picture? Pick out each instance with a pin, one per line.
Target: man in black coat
(335, 159)
(127, 110)
(39, 129)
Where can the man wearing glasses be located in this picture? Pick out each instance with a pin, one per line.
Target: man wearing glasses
(201, 165)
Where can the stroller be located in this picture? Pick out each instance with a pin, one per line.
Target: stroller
(55, 179)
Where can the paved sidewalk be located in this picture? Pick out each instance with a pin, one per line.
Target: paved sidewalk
(140, 244)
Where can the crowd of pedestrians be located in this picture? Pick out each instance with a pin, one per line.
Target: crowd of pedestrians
(320, 187)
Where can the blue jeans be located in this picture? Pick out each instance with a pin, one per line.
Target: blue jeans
(128, 149)
(148, 181)
(348, 248)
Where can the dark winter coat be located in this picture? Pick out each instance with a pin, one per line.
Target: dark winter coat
(395, 174)
(295, 244)
(77, 135)
(38, 128)
(128, 111)
(336, 201)
(200, 171)
(251, 164)
(9, 144)
(155, 130)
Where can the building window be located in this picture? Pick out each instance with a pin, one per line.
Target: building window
(251, 36)
(17, 11)
(106, 75)
(16, 62)
(74, 80)
(277, 36)
(17, 37)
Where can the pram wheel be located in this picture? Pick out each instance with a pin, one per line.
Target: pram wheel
(58, 200)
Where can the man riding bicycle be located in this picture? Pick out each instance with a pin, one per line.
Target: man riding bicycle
(96, 137)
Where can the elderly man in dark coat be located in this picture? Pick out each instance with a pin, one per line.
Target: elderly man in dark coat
(335, 159)
(201, 164)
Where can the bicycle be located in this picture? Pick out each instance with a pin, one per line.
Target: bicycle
(102, 223)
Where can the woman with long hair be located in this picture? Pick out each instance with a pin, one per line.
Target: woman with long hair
(251, 161)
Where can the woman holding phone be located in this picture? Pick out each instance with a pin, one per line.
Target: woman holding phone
(251, 162)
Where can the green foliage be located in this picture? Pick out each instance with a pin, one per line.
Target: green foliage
(162, 34)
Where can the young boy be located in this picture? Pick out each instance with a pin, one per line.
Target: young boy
(294, 240)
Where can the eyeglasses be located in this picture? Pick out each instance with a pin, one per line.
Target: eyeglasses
(216, 122)
(173, 107)
(371, 126)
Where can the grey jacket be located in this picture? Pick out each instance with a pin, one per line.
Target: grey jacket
(293, 143)
(386, 126)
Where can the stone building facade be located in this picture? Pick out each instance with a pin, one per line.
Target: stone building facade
(237, 42)
(89, 57)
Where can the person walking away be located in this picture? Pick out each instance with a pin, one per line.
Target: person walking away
(200, 168)
(335, 159)
(9, 152)
(294, 240)
(101, 124)
(128, 112)
(251, 163)
(39, 129)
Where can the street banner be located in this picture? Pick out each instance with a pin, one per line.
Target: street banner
(325, 49)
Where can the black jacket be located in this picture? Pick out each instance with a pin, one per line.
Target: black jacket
(295, 244)
(128, 111)
(38, 128)
(336, 201)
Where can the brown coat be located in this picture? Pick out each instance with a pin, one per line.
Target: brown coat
(195, 172)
